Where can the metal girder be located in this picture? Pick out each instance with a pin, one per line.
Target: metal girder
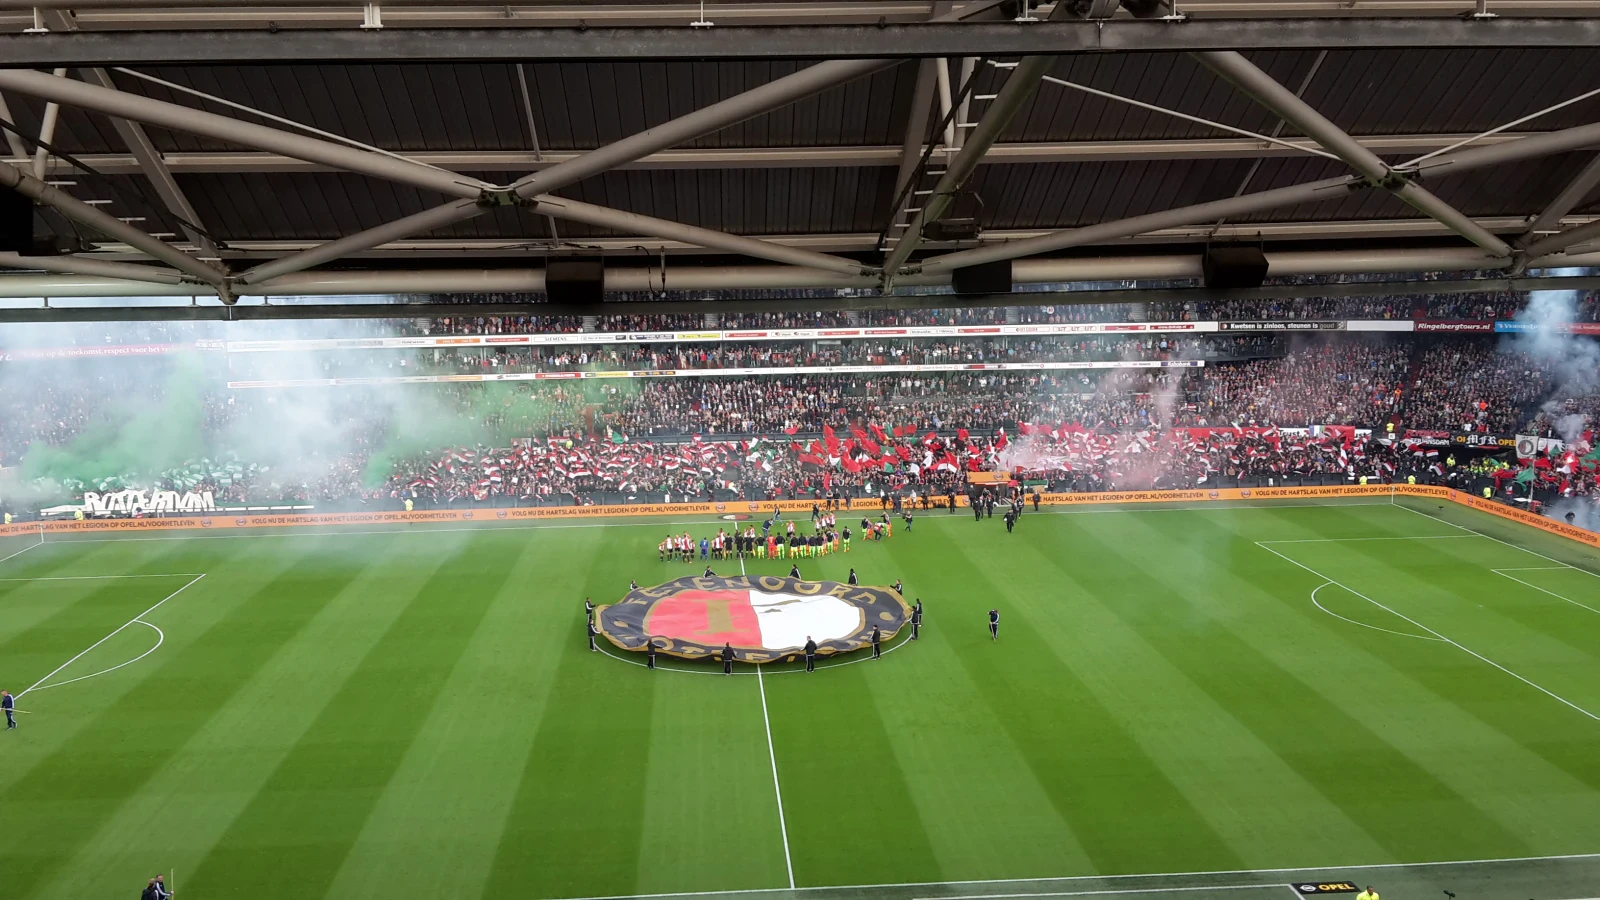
(714, 117)
(856, 242)
(1265, 90)
(1039, 152)
(1021, 84)
(13, 179)
(148, 159)
(511, 281)
(1570, 196)
(702, 121)
(889, 40)
(81, 265)
(1560, 241)
(1461, 160)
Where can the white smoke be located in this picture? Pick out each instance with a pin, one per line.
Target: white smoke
(1573, 361)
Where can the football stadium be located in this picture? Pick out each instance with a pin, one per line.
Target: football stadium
(744, 449)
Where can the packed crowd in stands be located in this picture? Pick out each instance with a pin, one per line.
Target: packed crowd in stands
(1446, 383)
(755, 354)
(1474, 385)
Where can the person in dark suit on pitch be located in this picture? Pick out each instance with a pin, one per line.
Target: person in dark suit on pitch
(727, 659)
(811, 654)
(877, 646)
(588, 625)
(994, 624)
(916, 619)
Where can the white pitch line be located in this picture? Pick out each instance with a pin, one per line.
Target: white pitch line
(161, 638)
(1420, 537)
(1502, 574)
(772, 755)
(112, 635)
(1496, 540)
(22, 551)
(98, 577)
(1534, 569)
(1541, 689)
(1155, 890)
(424, 530)
(777, 789)
(1068, 879)
(1420, 637)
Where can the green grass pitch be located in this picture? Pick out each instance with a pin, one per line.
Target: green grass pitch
(414, 713)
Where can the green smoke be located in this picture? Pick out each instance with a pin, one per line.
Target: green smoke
(131, 437)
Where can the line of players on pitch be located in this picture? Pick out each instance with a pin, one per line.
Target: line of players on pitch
(826, 537)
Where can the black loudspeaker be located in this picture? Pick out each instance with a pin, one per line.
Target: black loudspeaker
(987, 278)
(1234, 267)
(575, 279)
(16, 222)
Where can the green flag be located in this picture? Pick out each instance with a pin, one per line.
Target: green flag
(1525, 476)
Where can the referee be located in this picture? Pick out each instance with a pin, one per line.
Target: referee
(994, 624)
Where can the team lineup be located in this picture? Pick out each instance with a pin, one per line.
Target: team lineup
(780, 538)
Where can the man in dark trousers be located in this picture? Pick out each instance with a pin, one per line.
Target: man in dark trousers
(1011, 519)
(1035, 499)
(950, 497)
(727, 659)
(994, 624)
(9, 704)
(899, 588)
(977, 509)
(794, 571)
(588, 608)
(811, 654)
(988, 505)
(877, 648)
(650, 653)
(916, 619)
(588, 625)
(853, 577)
(711, 574)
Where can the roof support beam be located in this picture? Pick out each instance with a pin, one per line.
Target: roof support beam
(813, 41)
(160, 177)
(703, 121)
(1462, 160)
(1024, 80)
(250, 162)
(109, 225)
(1559, 242)
(1266, 91)
(1566, 201)
(80, 265)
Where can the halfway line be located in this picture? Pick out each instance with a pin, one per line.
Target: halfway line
(772, 755)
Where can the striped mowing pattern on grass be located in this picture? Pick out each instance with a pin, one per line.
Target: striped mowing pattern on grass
(416, 713)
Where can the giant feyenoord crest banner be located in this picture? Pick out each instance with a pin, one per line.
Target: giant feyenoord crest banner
(764, 617)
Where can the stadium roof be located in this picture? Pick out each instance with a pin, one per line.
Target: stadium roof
(775, 144)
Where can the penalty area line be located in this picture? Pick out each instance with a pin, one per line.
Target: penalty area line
(1535, 685)
(139, 619)
(1502, 574)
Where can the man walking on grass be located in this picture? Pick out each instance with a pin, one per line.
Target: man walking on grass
(9, 704)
